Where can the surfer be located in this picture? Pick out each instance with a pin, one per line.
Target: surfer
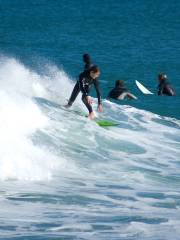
(76, 89)
(119, 92)
(164, 87)
(86, 80)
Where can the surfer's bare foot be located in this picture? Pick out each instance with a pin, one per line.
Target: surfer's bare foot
(91, 116)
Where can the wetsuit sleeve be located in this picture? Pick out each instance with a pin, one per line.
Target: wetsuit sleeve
(82, 85)
(96, 85)
(169, 90)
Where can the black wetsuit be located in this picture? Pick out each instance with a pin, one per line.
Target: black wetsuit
(116, 92)
(85, 84)
(87, 66)
(76, 88)
(164, 88)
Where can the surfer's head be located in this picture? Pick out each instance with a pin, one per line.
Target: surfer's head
(94, 72)
(162, 77)
(119, 83)
(86, 58)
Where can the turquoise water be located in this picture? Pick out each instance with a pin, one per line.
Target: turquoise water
(62, 176)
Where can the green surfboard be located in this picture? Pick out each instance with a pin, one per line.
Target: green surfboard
(106, 123)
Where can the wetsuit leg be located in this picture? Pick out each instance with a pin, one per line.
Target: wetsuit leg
(74, 94)
(89, 107)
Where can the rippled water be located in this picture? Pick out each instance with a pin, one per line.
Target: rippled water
(63, 176)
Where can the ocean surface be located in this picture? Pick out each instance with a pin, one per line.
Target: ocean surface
(63, 176)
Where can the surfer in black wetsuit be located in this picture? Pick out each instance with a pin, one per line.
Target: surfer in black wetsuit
(119, 92)
(164, 87)
(86, 80)
(76, 89)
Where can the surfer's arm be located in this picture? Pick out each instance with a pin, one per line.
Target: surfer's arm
(96, 85)
(169, 90)
(131, 96)
(126, 94)
(122, 96)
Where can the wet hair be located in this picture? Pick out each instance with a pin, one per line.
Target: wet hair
(119, 83)
(162, 76)
(94, 69)
(86, 58)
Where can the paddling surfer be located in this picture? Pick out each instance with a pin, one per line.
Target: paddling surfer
(120, 92)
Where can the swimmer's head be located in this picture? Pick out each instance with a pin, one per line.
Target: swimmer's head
(86, 58)
(162, 77)
(119, 83)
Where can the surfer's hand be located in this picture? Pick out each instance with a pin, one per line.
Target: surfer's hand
(89, 100)
(100, 108)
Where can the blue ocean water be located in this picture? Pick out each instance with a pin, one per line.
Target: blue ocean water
(62, 176)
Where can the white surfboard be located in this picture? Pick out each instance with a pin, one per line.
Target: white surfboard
(142, 88)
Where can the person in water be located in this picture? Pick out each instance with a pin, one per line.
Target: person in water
(76, 89)
(164, 87)
(86, 80)
(119, 92)
(87, 61)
